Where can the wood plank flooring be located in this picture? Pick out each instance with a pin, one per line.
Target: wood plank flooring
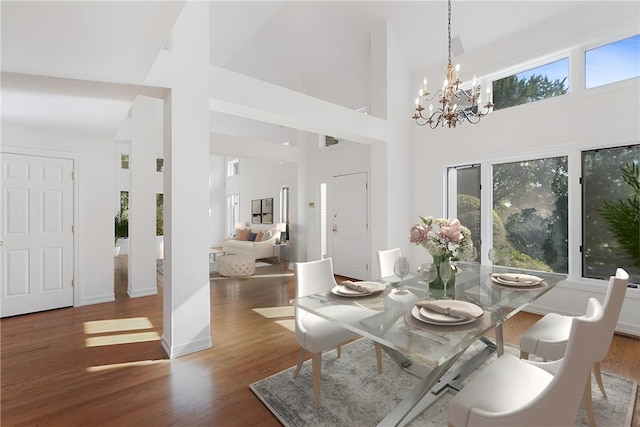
(102, 365)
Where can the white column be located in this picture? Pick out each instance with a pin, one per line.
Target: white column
(186, 296)
(145, 135)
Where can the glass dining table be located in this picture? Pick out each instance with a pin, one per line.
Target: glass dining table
(429, 349)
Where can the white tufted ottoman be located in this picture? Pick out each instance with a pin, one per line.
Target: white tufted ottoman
(236, 266)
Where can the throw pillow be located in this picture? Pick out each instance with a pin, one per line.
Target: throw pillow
(267, 235)
(243, 234)
(252, 237)
(259, 236)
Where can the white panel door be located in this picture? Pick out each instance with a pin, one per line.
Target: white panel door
(37, 234)
(348, 219)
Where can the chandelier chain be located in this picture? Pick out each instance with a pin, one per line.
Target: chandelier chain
(449, 31)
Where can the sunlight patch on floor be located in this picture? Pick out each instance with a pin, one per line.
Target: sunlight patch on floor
(125, 365)
(116, 325)
(289, 324)
(271, 312)
(122, 339)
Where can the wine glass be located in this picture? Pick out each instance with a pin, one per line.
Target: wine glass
(401, 269)
(427, 272)
(445, 274)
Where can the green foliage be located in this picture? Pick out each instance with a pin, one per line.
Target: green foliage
(623, 216)
(511, 91)
(121, 221)
(159, 214)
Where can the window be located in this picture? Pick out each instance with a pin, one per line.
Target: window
(233, 167)
(613, 62)
(159, 214)
(159, 165)
(464, 187)
(530, 214)
(324, 232)
(603, 180)
(124, 203)
(532, 85)
(233, 213)
(284, 210)
(124, 161)
(329, 141)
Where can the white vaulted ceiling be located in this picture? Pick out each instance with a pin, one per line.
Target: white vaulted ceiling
(102, 50)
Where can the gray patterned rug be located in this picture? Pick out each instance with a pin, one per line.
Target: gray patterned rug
(353, 394)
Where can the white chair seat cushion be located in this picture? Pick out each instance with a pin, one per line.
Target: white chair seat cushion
(321, 334)
(505, 385)
(548, 337)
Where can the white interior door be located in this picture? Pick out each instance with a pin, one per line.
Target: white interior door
(348, 222)
(37, 234)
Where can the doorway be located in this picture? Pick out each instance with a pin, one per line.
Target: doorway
(348, 219)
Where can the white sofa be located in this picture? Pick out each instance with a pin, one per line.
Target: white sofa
(256, 250)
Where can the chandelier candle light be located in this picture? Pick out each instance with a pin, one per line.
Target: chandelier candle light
(449, 112)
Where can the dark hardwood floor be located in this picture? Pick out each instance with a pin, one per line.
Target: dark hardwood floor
(102, 365)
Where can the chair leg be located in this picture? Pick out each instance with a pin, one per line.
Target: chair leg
(339, 351)
(301, 355)
(588, 404)
(316, 364)
(524, 355)
(598, 375)
(378, 356)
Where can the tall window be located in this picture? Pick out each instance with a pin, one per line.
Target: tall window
(323, 220)
(233, 213)
(159, 214)
(233, 167)
(284, 209)
(532, 85)
(464, 188)
(610, 236)
(124, 161)
(613, 62)
(530, 214)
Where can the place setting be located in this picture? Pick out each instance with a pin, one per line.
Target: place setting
(452, 315)
(351, 289)
(518, 281)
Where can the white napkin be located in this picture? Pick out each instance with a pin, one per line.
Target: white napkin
(361, 286)
(518, 278)
(440, 306)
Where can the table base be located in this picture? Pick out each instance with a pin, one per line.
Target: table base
(434, 383)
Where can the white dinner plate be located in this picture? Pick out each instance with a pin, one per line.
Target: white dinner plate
(434, 318)
(345, 291)
(514, 284)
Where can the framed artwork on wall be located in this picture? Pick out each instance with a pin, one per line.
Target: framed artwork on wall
(267, 211)
(256, 212)
(262, 211)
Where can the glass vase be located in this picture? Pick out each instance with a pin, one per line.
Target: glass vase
(437, 284)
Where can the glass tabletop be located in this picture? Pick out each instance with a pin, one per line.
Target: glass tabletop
(391, 319)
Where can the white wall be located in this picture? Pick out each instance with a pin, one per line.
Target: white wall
(263, 179)
(217, 200)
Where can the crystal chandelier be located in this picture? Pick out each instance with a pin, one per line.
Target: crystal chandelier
(456, 105)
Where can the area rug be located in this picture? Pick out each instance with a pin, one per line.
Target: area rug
(212, 266)
(353, 394)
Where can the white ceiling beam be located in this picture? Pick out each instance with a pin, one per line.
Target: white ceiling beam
(227, 145)
(244, 96)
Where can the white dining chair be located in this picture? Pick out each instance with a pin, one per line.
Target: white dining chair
(386, 260)
(315, 334)
(548, 337)
(516, 392)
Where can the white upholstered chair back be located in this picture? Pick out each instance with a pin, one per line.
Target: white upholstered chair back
(386, 259)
